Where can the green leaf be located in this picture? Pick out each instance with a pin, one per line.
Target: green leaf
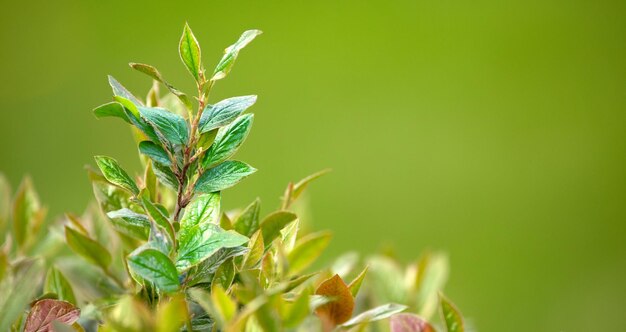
(274, 223)
(112, 109)
(25, 208)
(121, 91)
(204, 271)
(57, 283)
(451, 315)
(231, 53)
(248, 221)
(340, 309)
(47, 311)
(17, 293)
(114, 173)
(409, 323)
(156, 267)
(155, 152)
(307, 250)
(378, 313)
(224, 112)
(223, 176)
(155, 74)
(156, 215)
(202, 241)
(189, 51)
(131, 223)
(355, 285)
(228, 140)
(172, 126)
(87, 248)
(203, 208)
(165, 175)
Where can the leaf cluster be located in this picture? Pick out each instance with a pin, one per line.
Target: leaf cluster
(157, 252)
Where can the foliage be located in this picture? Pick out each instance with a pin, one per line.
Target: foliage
(157, 252)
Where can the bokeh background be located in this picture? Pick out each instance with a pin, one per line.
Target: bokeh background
(492, 130)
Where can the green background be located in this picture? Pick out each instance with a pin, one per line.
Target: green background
(492, 130)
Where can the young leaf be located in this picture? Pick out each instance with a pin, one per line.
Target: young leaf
(378, 313)
(433, 273)
(307, 250)
(203, 208)
(224, 275)
(46, 311)
(155, 74)
(248, 221)
(115, 174)
(121, 91)
(150, 181)
(274, 223)
(131, 223)
(155, 267)
(25, 208)
(112, 109)
(171, 314)
(20, 291)
(5, 207)
(409, 323)
(223, 176)
(451, 315)
(88, 248)
(257, 248)
(189, 51)
(201, 241)
(224, 112)
(172, 126)
(57, 284)
(228, 140)
(224, 306)
(355, 285)
(155, 152)
(231, 53)
(299, 187)
(340, 309)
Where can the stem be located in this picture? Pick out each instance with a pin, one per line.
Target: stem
(184, 196)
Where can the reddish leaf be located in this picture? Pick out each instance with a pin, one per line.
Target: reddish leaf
(409, 323)
(340, 309)
(44, 312)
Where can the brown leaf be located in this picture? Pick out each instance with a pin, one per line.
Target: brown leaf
(340, 309)
(44, 312)
(409, 323)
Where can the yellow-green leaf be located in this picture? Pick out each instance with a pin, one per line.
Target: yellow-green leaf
(87, 248)
(189, 51)
(451, 315)
(307, 250)
(115, 174)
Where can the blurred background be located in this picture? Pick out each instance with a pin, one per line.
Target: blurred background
(492, 130)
